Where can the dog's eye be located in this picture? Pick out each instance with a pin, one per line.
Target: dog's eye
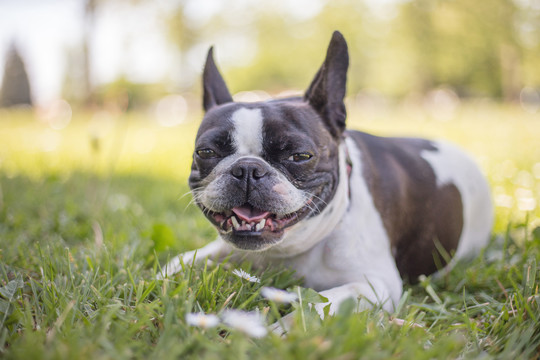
(207, 154)
(300, 157)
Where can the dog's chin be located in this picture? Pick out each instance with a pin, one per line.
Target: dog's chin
(252, 241)
(265, 230)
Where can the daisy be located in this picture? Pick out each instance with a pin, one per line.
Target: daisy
(250, 323)
(202, 320)
(246, 276)
(277, 295)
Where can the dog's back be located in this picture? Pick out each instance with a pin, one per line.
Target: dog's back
(432, 198)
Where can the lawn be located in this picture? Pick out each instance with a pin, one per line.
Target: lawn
(90, 211)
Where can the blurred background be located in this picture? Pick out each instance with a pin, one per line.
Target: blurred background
(102, 97)
(94, 52)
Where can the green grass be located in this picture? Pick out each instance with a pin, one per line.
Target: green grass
(90, 212)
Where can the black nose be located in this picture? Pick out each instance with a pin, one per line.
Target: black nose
(249, 170)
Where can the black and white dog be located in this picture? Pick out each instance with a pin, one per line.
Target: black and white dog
(353, 214)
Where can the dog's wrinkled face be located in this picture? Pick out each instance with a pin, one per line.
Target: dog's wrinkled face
(260, 168)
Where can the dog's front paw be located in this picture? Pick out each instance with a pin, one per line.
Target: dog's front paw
(284, 325)
(215, 250)
(173, 267)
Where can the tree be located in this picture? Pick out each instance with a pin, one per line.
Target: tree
(89, 17)
(15, 84)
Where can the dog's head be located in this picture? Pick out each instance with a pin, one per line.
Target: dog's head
(261, 168)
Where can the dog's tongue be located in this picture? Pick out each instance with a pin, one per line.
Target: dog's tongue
(249, 213)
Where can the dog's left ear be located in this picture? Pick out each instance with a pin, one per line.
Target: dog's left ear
(327, 90)
(215, 90)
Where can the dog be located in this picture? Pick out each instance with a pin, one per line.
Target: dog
(354, 215)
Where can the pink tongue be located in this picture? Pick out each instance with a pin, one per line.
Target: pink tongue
(250, 214)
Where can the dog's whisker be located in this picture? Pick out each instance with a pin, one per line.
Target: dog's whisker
(309, 195)
(192, 202)
(313, 209)
(312, 205)
(184, 195)
(196, 194)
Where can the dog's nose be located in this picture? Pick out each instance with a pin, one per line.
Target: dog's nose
(249, 170)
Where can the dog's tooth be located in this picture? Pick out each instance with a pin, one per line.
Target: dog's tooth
(260, 225)
(235, 223)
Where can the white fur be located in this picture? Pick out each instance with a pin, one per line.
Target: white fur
(453, 166)
(247, 134)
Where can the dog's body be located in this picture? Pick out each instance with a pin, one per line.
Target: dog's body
(285, 184)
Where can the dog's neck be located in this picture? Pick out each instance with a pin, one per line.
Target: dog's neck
(306, 234)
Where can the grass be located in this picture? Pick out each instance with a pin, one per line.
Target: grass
(90, 212)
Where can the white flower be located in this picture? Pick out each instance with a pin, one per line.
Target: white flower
(277, 295)
(202, 320)
(250, 323)
(244, 275)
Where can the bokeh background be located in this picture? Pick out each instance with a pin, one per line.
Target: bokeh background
(89, 51)
(106, 93)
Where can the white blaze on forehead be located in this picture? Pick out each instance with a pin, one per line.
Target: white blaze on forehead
(247, 133)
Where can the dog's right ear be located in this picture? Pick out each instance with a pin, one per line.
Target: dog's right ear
(215, 90)
(326, 93)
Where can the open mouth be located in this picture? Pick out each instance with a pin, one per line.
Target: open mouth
(246, 219)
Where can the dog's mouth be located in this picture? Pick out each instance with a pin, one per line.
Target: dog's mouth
(247, 220)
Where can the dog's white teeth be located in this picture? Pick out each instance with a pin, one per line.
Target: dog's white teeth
(245, 226)
(260, 225)
(235, 222)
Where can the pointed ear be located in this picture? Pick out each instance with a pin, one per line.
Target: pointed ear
(327, 90)
(215, 90)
